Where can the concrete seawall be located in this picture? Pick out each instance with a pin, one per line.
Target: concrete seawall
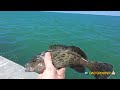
(12, 70)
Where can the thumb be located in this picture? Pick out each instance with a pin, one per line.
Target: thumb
(48, 60)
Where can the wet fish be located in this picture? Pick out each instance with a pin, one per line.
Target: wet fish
(69, 56)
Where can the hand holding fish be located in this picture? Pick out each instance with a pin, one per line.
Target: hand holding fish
(66, 56)
(51, 72)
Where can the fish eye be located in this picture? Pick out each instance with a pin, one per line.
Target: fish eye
(34, 60)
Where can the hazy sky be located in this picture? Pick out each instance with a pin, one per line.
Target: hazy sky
(112, 13)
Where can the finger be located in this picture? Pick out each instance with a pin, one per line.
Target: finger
(61, 72)
(47, 60)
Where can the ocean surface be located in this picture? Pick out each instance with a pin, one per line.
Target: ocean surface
(24, 34)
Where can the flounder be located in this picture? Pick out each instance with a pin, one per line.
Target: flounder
(69, 56)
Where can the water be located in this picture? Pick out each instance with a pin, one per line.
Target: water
(24, 34)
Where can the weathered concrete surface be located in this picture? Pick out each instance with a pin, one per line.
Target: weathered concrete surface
(12, 70)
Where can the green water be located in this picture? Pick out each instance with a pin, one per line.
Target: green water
(25, 34)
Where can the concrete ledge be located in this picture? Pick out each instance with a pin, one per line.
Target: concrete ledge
(12, 70)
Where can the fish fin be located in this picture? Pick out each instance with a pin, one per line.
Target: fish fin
(78, 51)
(80, 69)
(71, 48)
(57, 47)
(101, 70)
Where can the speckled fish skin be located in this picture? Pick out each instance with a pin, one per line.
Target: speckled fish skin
(64, 56)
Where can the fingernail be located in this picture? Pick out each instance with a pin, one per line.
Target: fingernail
(47, 53)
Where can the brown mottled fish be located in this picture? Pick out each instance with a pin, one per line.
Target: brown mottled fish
(72, 56)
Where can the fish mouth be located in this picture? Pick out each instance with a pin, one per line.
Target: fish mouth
(29, 69)
(26, 70)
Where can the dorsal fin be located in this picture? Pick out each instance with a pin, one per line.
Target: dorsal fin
(78, 51)
(71, 48)
(58, 47)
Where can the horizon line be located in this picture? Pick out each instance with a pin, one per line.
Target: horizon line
(104, 13)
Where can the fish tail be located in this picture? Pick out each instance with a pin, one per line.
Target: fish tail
(100, 70)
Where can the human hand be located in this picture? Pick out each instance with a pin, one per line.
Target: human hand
(51, 72)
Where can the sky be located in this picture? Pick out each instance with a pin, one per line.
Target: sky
(111, 13)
